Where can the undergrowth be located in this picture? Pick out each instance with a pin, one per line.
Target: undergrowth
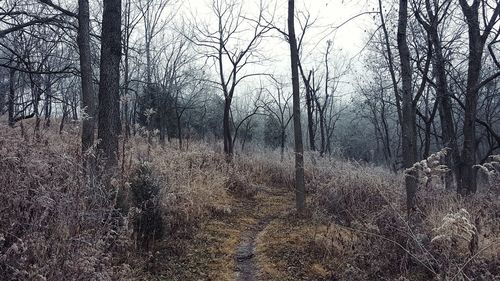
(56, 223)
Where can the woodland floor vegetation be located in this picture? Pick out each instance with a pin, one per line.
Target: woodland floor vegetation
(189, 215)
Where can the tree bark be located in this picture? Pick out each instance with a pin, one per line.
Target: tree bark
(299, 149)
(467, 180)
(467, 183)
(48, 101)
(12, 96)
(179, 130)
(228, 141)
(282, 143)
(87, 92)
(445, 110)
(109, 84)
(64, 116)
(408, 123)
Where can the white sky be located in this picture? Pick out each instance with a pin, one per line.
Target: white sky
(328, 14)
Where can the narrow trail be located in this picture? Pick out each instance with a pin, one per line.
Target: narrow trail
(265, 209)
(246, 267)
(226, 248)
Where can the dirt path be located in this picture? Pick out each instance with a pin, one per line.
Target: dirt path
(267, 206)
(246, 267)
(224, 248)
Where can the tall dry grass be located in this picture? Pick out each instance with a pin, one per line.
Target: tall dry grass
(455, 238)
(55, 224)
(58, 224)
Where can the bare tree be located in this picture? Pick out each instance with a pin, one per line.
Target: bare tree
(408, 122)
(279, 108)
(154, 21)
(477, 40)
(241, 118)
(299, 149)
(131, 19)
(230, 53)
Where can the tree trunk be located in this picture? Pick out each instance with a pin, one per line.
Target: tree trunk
(126, 68)
(2, 101)
(467, 181)
(36, 93)
(64, 116)
(12, 96)
(283, 138)
(443, 98)
(299, 149)
(427, 140)
(445, 110)
(133, 118)
(322, 131)
(390, 62)
(226, 124)
(179, 131)
(126, 117)
(310, 119)
(162, 120)
(88, 97)
(74, 110)
(408, 124)
(109, 84)
(48, 101)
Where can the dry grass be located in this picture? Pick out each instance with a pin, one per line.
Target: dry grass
(56, 225)
(357, 230)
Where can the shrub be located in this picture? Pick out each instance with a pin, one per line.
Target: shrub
(146, 212)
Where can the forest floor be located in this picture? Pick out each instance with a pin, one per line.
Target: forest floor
(230, 222)
(256, 238)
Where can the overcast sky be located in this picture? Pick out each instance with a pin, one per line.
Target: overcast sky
(328, 14)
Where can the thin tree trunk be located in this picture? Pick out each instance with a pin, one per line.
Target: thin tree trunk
(228, 142)
(322, 131)
(283, 137)
(162, 122)
(310, 109)
(74, 110)
(408, 123)
(35, 90)
(443, 98)
(48, 101)
(12, 96)
(299, 149)
(88, 96)
(390, 62)
(179, 131)
(64, 116)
